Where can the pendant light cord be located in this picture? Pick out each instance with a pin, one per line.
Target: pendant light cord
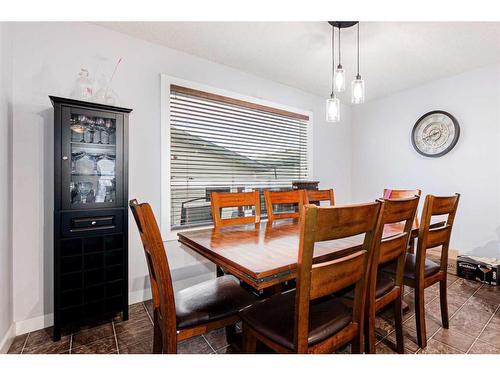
(339, 47)
(333, 56)
(358, 48)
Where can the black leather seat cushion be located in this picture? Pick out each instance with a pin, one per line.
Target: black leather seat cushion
(210, 300)
(430, 268)
(385, 283)
(274, 318)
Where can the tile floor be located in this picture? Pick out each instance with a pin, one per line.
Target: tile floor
(473, 311)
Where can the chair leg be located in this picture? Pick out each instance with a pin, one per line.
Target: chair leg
(356, 344)
(249, 340)
(370, 332)
(443, 299)
(157, 339)
(398, 321)
(420, 317)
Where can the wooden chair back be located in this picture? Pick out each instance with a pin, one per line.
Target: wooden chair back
(283, 197)
(393, 248)
(159, 272)
(431, 235)
(240, 200)
(321, 279)
(320, 196)
(401, 194)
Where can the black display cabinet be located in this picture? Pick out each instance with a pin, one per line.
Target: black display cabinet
(90, 212)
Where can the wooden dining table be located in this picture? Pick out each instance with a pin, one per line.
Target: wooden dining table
(265, 254)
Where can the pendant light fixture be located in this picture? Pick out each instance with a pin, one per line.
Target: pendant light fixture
(358, 85)
(338, 76)
(333, 103)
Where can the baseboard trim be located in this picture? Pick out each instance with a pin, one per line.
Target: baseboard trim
(8, 339)
(139, 296)
(33, 324)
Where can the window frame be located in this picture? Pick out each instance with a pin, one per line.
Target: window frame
(166, 81)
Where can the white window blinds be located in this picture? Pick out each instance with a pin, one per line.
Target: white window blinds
(225, 144)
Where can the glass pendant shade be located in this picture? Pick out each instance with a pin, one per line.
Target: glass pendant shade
(333, 109)
(339, 79)
(358, 90)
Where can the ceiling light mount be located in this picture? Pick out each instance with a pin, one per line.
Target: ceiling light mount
(343, 24)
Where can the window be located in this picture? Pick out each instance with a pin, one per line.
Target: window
(225, 144)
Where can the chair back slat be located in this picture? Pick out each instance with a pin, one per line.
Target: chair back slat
(329, 223)
(283, 197)
(443, 205)
(159, 271)
(438, 236)
(223, 200)
(433, 235)
(401, 193)
(391, 248)
(320, 196)
(345, 221)
(330, 277)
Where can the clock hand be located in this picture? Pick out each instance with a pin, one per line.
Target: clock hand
(432, 134)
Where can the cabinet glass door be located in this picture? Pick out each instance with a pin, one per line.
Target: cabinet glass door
(92, 159)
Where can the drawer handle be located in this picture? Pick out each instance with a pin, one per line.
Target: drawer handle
(94, 222)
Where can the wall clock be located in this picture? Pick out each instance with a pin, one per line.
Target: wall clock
(435, 134)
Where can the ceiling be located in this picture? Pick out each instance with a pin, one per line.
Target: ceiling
(394, 55)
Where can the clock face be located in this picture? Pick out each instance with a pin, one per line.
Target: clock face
(435, 133)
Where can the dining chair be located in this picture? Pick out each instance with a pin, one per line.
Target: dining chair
(220, 200)
(405, 193)
(420, 273)
(272, 198)
(308, 319)
(385, 289)
(191, 311)
(319, 196)
(240, 200)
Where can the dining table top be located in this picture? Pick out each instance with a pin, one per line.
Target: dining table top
(265, 254)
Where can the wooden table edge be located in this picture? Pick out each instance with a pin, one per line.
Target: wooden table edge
(258, 281)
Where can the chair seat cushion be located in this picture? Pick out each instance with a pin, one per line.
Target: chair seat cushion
(430, 268)
(385, 282)
(274, 318)
(210, 300)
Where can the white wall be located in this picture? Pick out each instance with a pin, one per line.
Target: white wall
(47, 57)
(5, 189)
(383, 157)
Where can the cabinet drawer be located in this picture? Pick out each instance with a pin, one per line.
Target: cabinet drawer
(83, 223)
